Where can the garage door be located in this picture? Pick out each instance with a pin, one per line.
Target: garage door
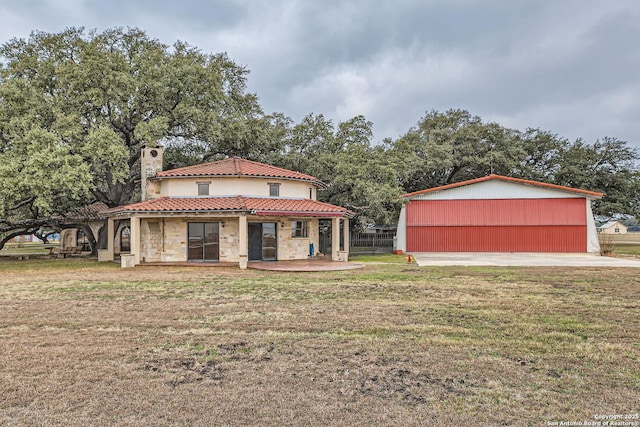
(505, 225)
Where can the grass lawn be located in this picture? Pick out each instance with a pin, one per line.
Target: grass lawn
(627, 249)
(84, 343)
(379, 258)
(27, 248)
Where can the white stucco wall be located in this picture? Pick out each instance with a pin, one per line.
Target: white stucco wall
(188, 187)
(68, 237)
(496, 189)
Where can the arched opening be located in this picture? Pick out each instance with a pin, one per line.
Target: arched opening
(125, 239)
(82, 240)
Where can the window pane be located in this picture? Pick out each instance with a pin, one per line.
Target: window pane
(211, 241)
(195, 240)
(274, 190)
(203, 189)
(299, 229)
(269, 241)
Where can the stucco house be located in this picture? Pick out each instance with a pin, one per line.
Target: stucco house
(230, 211)
(612, 227)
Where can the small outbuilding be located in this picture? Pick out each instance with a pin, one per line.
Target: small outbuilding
(498, 214)
(612, 227)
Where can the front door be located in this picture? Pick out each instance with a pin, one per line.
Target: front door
(204, 241)
(263, 241)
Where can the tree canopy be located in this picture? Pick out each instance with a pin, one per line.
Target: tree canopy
(362, 176)
(453, 146)
(76, 108)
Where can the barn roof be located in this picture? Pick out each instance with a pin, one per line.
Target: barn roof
(586, 193)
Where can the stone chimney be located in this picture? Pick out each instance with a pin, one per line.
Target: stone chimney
(151, 164)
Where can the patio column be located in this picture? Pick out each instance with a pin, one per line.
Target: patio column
(135, 239)
(345, 232)
(335, 238)
(110, 237)
(105, 255)
(243, 242)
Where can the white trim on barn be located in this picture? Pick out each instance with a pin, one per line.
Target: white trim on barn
(401, 231)
(593, 242)
(496, 189)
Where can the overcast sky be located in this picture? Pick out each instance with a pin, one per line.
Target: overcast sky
(568, 66)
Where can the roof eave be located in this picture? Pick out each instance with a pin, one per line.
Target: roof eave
(133, 212)
(203, 176)
(588, 194)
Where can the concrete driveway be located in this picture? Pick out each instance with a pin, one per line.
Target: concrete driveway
(520, 259)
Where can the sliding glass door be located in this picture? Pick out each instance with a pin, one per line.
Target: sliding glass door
(263, 241)
(204, 242)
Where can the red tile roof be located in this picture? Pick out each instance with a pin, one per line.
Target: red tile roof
(90, 212)
(256, 205)
(507, 179)
(236, 167)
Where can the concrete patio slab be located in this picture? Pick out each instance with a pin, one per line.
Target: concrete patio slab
(520, 259)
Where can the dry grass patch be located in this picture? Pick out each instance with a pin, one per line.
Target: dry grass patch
(86, 343)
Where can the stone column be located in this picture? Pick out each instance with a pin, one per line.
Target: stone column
(243, 242)
(345, 230)
(135, 239)
(335, 238)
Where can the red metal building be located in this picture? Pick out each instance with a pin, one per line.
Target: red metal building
(498, 214)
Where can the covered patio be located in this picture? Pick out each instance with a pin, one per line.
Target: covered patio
(224, 230)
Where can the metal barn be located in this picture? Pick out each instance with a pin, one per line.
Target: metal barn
(498, 214)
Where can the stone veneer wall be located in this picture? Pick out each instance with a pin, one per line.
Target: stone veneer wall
(229, 242)
(151, 240)
(297, 247)
(173, 248)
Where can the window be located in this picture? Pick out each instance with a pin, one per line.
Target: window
(274, 190)
(311, 193)
(617, 230)
(299, 229)
(203, 188)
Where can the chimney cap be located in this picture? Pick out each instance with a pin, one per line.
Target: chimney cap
(153, 145)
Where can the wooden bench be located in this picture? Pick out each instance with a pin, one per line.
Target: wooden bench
(71, 250)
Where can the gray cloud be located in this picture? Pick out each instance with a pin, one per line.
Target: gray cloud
(567, 66)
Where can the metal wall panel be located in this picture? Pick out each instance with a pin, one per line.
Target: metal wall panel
(497, 239)
(497, 212)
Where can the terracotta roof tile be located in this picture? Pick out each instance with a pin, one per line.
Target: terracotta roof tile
(235, 166)
(90, 212)
(508, 179)
(238, 203)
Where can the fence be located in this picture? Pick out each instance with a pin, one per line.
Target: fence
(371, 242)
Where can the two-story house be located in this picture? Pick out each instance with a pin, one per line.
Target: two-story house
(231, 211)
